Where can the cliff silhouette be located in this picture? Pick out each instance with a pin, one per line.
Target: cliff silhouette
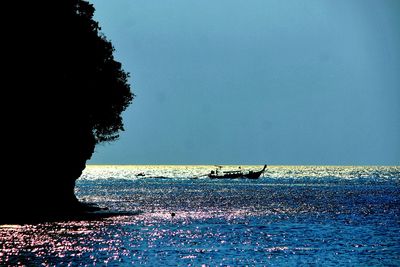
(63, 94)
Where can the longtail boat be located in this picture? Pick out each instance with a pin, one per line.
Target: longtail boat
(218, 174)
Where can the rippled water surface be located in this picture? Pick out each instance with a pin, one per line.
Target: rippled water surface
(301, 215)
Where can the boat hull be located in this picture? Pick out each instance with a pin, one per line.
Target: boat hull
(226, 176)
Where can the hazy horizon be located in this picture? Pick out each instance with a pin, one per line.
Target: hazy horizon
(252, 165)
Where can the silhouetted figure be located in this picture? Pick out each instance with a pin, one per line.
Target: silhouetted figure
(64, 93)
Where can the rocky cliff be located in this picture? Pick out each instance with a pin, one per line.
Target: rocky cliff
(63, 93)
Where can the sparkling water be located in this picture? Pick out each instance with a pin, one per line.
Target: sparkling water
(291, 216)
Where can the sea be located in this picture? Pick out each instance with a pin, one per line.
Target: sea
(176, 216)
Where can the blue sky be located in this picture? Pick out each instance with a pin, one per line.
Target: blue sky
(257, 81)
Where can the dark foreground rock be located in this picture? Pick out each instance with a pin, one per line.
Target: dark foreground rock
(62, 94)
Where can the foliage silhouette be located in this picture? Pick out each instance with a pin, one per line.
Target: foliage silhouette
(66, 93)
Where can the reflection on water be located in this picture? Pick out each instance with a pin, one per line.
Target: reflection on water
(292, 216)
(131, 172)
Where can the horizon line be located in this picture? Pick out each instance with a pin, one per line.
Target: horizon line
(229, 164)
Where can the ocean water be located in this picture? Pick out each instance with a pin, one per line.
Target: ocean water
(292, 216)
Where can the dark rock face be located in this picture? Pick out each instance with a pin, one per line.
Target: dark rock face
(64, 93)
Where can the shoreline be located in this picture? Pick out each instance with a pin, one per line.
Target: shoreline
(60, 217)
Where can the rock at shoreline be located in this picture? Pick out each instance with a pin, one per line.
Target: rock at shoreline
(63, 93)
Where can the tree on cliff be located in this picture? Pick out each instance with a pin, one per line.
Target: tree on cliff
(90, 70)
(66, 93)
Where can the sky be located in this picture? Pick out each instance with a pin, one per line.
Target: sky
(313, 82)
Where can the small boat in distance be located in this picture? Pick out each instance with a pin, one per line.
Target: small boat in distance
(217, 174)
